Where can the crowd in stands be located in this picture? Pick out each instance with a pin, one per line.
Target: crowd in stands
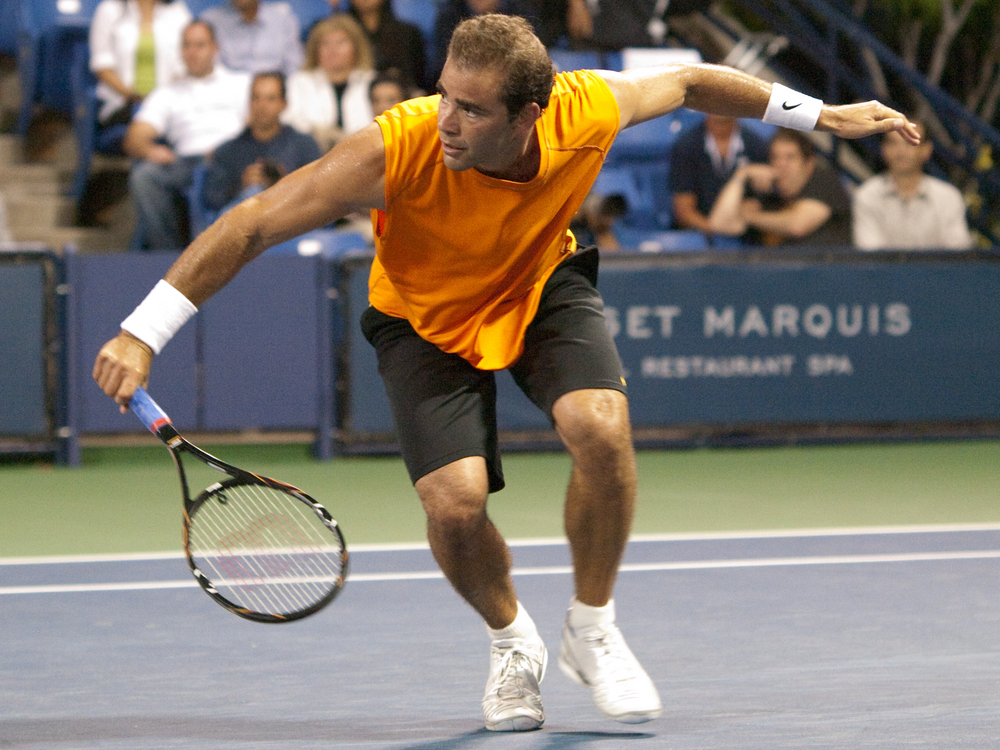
(246, 94)
(177, 125)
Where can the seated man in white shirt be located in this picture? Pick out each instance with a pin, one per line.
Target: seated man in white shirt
(257, 37)
(906, 209)
(173, 130)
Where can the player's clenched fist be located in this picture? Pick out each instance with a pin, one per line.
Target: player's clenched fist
(122, 365)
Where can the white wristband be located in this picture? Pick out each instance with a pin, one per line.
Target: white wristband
(788, 108)
(159, 316)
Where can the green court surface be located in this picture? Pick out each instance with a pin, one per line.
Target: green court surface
(127, 499)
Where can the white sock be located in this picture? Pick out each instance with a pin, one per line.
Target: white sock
(582, 616)
(522, 627)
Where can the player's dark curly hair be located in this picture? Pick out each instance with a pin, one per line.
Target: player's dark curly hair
(495, 41)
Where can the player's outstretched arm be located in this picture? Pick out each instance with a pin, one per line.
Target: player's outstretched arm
(350, 178)
(646, 93)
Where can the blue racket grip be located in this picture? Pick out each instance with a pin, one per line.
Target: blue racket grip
(148, 410)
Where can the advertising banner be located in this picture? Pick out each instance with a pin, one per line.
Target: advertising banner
(794, 342)
(715, 344)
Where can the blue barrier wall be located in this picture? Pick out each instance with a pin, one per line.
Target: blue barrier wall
(859, 342)
(22, 350)
(719, 343)
(260, 348)
(709, 341)
(106, 289)
(255, 357)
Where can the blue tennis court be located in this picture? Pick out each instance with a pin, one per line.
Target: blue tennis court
(841, 638)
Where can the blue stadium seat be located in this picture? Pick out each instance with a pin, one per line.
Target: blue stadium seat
(644, 186)
(8, 30)
(200, 216)
(48, 34)
(659, 240)
(762, 129)
(309, 12)
(630, 185)
(566, 60)
(197, 7)
(613, 61)
(84, 95)
(330, 243)
(721, 242)
(653, 139)
(421, 13)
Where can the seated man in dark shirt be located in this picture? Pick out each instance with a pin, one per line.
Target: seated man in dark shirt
(703, 160)
(794, 199)
(262, 154)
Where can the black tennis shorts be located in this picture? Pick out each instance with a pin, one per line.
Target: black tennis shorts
(444, 409)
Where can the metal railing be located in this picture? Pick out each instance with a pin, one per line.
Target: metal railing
(835, 46)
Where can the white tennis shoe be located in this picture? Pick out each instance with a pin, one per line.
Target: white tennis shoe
(598, 657)
(512, 702)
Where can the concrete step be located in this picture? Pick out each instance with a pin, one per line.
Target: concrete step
(114, 239)
(86, 241)
(34, 179)
(27, 212)
(10, 150)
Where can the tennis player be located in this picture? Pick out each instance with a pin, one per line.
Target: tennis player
(471, 193)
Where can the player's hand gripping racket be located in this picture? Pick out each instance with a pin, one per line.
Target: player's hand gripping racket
(262, 549)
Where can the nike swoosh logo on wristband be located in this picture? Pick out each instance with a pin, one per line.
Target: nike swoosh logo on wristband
(787, 106)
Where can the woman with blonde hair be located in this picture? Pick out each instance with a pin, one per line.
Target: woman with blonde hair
(328, 98)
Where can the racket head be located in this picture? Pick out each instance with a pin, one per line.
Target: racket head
(264, 550)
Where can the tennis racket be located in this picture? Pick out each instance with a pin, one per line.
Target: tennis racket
(261, 548)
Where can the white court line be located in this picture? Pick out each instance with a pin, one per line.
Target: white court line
(767, 562)
(552, 541)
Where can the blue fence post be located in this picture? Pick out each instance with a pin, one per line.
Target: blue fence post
(326, 289)
(68, 422)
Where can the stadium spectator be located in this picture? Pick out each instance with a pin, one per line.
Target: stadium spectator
(612, 25)
(594, 223)
(701, 163)
(328, 98)
(903, 208)
(255, 36)
(174, 128)
(546, 18)
(387, 90)
(794, 199)
(135, 45)
(262, 154)
(398, 45)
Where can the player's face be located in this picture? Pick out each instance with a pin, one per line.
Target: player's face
(198, 50)
(266, 103)
(792, 169)
(474, 126)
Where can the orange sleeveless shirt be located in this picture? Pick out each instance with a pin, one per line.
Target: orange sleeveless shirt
(463, 256)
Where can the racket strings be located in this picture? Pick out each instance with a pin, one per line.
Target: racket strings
(265, 549)
(242, 559)
(265, 563)
(304, 530)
